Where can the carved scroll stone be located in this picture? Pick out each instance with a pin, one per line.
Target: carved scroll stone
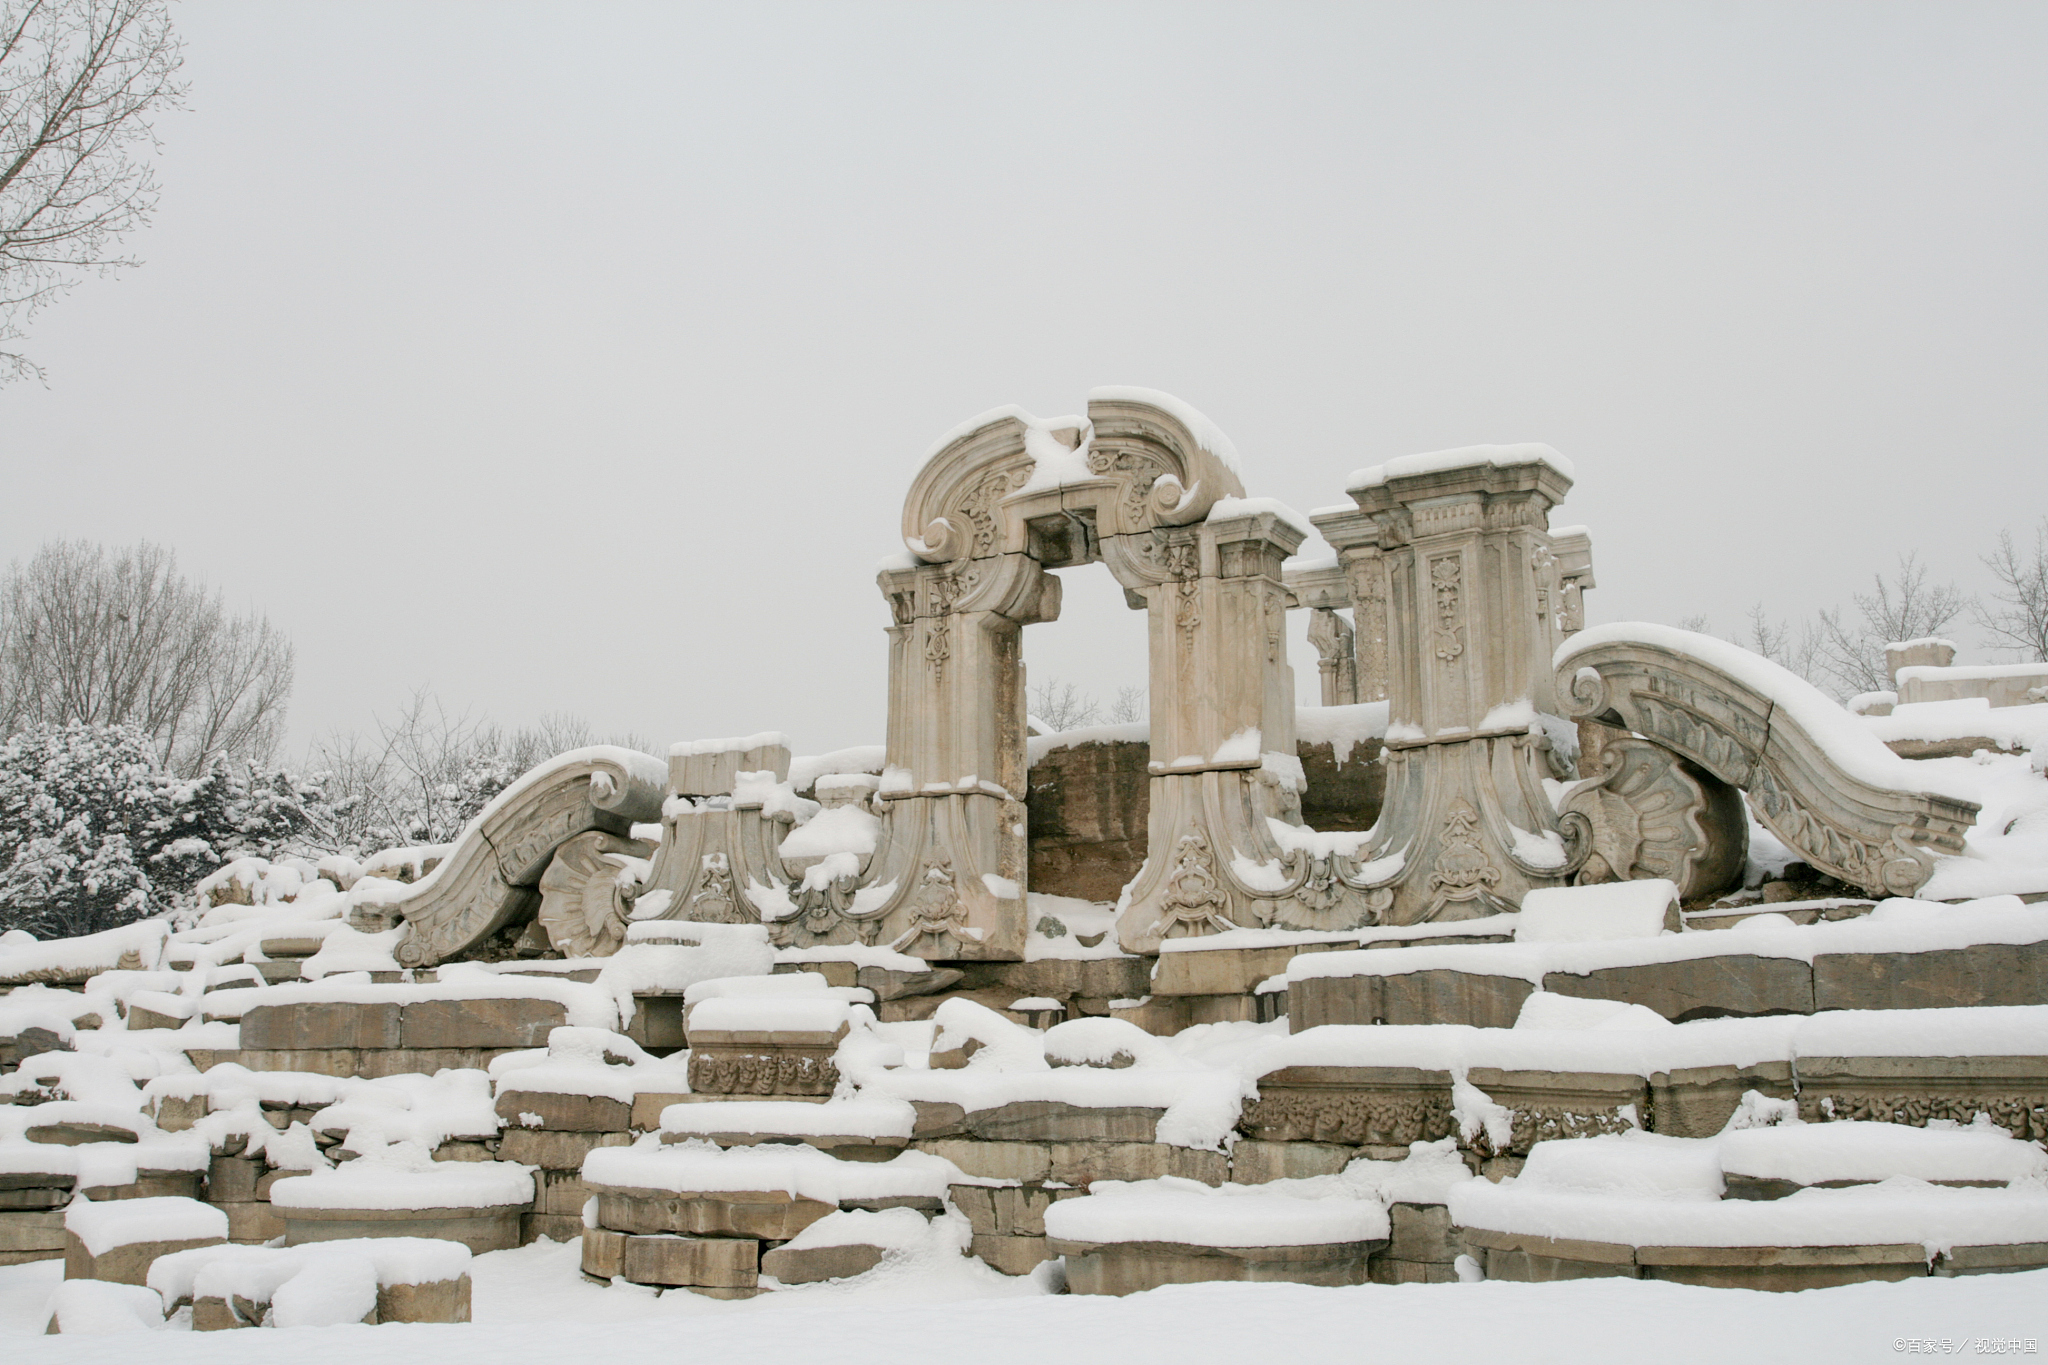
(489, 880)
(1666, 688)
(1656, 815)
(1378, 1106)
(583, 908)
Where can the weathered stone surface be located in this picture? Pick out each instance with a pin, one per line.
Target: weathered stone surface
(432, 1301)
(1390, 1270)
(1422, 1232)
(563, 1113)
(44, 1198)
(1351, 1105)
(657, 1023)
(30, 1230)
(1982, 974)
(1527, 1257)
(1009, 1210)
(254, 1222)
(1227, 971)
(2013, 1091)
(233, 1179)
(711, 1262)
(309, 1025)
(1698, 1101)
(368, 1063)
(559, 1227)
(1063, 978)
(77, 1132)
(890, 984)
(604, 1252)
(561, 1192)
(211, 1313)
(1011, 1255)
(1087, 807)
(125, 1264)
(1083, 1163)
(807, 1265)
(1560, 1104)
(1132, 1267)
(1253, 1162)
(508, 1023)
(1023, 1161)
(1782, 1268)
(1734, 984)
(481, 1230)
(1052, 1121)
(1318, 1000)
(770, 1215)
(1993, 1260)
(1451, 997)
(647, 1107)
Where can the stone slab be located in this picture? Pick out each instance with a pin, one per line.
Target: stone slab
(709, 1262)
(1051, 1121)
(1739, 985)
(604, 1252)
(1119, 1268)
(1982, 974)
(507, 1023)
(433, 1301)
(1227, 971)
(316, 1025)
(559, 1227)
(38, 1231)
(1253, 1162)
(1548, 1105)
(1010, 1255)
(1422, 1232)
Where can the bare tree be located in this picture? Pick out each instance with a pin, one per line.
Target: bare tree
(81, 82)
(1907, 607)
(122, 638)
(2019, 621)
(1128, 707)
(1063, 706)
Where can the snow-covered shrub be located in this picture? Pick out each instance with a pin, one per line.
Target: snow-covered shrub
(94, 833)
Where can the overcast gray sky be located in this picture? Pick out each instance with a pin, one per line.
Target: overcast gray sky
(578, 357)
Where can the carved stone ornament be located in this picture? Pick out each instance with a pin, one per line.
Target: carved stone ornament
(1882, 839)
(935, 919)
(714, 901)
(1194, 902)
(1653, 814)
(762, 1071)
(583, 906)
(499, 859)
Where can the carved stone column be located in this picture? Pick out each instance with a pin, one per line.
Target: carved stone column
(1332, 637)
(1473, 595)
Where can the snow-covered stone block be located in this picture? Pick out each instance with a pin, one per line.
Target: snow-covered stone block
(1578, 914)
(119, 1240)
(97, 1307)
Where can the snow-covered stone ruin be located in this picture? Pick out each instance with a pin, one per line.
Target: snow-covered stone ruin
(1536, 952)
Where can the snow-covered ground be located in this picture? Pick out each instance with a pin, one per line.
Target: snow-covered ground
(531, 1306)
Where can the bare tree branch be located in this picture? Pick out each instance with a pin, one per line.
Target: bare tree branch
(2019, 621)
(81, 82)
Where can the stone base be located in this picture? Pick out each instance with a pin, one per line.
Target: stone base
(693, 1262)
(127, 1264)
(767, 1215)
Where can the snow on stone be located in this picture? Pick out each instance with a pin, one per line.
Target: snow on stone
(1579, 914)
(1207, 434)
(1058, 924)
(1190, 1213)
(865, 1116)
(99, 1307)
(138, 946)
(1126, 732)
(1549, 1010)
(102, 1226)
(806, 769)
(1809, 1153)
(795, 1012)
(843, 829)
(1227, 508)
(890, 1229)
(589, 1006)
(405, 1177)
(337, 1286)
(695, 1167)
(1894, 926)
(1500, 456)
(579, 1061)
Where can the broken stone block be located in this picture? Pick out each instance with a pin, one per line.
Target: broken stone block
(1982, 974)
(767, 1215)
(604, 1252)
(1021, 1161)
(1698, 1101)
(1084, 1163)
(1422, 1232)
(1053, 1121)
(1782, 1268)
(756, 1069)
(1560, 1104)
(1227, 971)
(563, 1113)
(1119, 1268)
(807, 1265)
